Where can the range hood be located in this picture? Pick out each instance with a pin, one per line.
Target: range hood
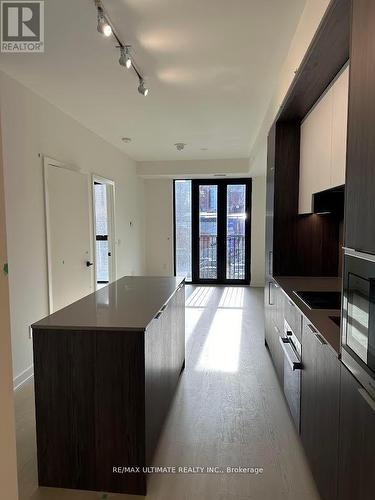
(329, 201)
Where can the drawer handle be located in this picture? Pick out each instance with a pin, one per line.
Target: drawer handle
(290, 355)
(320, 339)
(291, 303)
(366, 396)
(158, 315)
(270, 303)
(312, 329)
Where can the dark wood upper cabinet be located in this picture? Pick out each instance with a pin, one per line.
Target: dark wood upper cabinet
(357, 441)
(320, 410)
(360, 173)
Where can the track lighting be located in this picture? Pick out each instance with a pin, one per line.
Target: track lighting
(125, 59)
(107, 28)
(141, 87)
(103, 26)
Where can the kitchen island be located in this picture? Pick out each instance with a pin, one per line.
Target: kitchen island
(106, 369)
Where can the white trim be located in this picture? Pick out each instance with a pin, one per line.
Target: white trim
(23, 377)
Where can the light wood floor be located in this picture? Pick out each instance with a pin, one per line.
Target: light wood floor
(228, 411)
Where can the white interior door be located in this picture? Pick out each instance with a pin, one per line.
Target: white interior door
(69, 243)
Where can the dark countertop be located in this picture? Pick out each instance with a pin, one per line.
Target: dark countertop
(128, 304)
(319, 318)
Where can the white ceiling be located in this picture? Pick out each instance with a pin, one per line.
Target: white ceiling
(211, 65)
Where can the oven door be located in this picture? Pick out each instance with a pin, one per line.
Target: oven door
(358, 335)
(292, 378)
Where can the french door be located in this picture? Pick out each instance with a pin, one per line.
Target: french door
(219, 227)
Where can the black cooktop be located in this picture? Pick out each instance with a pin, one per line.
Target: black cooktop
(320, 300)
(336, 320)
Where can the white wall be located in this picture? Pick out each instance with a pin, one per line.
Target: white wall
(8, 462)
(31, 126)
(159, 226)
(194, 168)
(258, 227)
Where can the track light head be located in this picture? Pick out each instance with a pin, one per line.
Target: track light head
(125, 58)
(103, 26)
(141, 88)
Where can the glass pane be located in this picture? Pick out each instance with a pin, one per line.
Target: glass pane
(102, 261)
(101, 218)
(208, 232)
(101, 221)
(358, 316)
(236, 219)
(183, 228)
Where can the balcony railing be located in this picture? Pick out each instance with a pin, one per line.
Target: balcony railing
(235, 257)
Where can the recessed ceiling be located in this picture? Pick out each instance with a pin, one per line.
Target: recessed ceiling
(211, 67)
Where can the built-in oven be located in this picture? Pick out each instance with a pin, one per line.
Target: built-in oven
(358, 317)
(292, 350)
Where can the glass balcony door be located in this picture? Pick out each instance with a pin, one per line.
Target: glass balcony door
(221, 231)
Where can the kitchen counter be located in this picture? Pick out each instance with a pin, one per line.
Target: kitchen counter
(128, 304)
(319, 318)
(106, 369)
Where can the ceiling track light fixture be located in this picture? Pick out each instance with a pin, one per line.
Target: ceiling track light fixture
(105, 27)
(125, 57)
(142, 89)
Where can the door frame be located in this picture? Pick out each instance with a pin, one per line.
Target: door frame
(222, 229)
(51, 162)
(111, 225)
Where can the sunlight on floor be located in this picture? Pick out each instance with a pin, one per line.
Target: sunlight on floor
(200, 296)
(221, 349)
(232, 297)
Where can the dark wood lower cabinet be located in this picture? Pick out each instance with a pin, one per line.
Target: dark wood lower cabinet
(320, 393)
(274, 327)
(102, 397)
(357, 441)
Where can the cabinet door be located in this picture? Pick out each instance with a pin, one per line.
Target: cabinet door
(357, 441)
(360, 177)
(339, 128)
(309, 395)
(270, 202)
(320, 410)
(272, 329)
(328, 409)
(315, 153)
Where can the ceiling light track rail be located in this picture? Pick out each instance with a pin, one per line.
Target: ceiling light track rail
(107, 28)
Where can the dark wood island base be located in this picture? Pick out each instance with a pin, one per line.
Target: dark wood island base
(106, 369)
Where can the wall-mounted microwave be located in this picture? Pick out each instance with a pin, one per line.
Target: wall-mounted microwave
(358, 317)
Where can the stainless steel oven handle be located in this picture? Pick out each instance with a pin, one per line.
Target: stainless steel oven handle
(366, 396)
(290, 355)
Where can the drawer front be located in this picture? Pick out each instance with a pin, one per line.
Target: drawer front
(293, 317)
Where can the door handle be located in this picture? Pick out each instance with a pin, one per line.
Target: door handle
(89, 264)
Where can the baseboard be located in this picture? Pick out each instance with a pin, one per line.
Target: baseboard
(23, 377)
